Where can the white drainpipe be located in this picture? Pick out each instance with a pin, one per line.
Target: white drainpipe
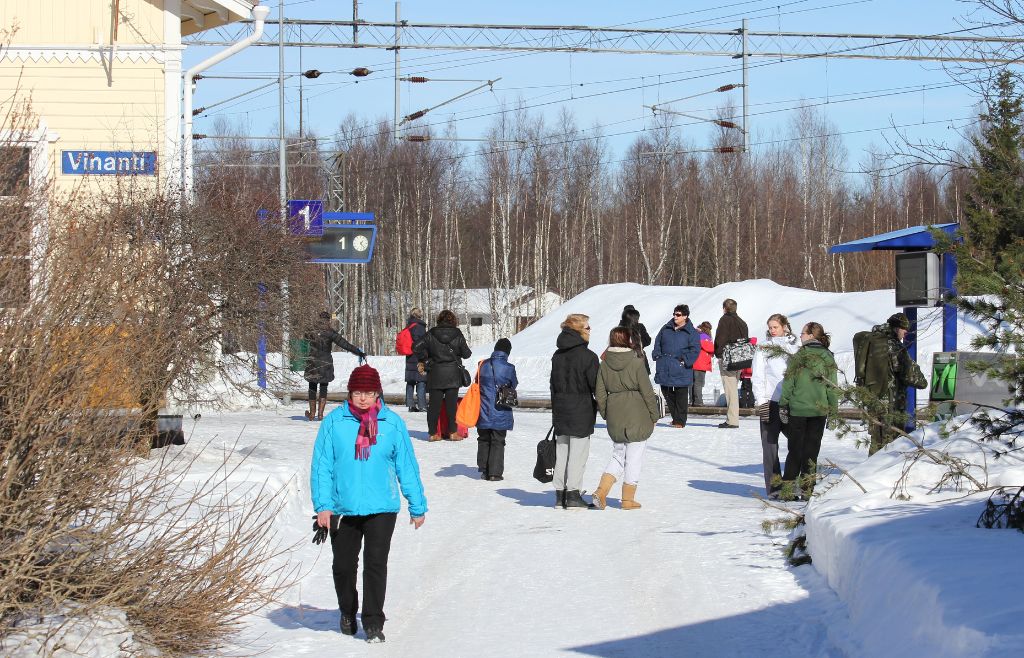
(259, 14)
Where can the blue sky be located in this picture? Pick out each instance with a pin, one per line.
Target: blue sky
(861, 98)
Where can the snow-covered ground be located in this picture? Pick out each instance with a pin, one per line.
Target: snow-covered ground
(497, 571)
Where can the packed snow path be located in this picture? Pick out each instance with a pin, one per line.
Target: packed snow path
(497, 571)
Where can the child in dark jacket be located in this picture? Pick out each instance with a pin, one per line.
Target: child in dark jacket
(494, 423)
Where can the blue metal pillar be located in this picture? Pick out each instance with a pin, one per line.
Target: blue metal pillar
(948, 310)
(911, 343)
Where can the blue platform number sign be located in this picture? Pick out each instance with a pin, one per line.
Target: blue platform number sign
(347, 237)
(306, 217)
(108, 163)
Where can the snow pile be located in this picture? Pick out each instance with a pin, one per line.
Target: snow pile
(918, 577)
(99, 634)
(842, 315)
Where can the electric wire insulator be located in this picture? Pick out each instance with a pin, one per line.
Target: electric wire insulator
(417, 78)
(361, 72)
(417, 138)
(416, 115)
(728, 87)
(725, 124)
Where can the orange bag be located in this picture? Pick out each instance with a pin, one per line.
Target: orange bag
(468, 413)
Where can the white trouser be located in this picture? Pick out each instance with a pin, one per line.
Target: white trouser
(626, 462)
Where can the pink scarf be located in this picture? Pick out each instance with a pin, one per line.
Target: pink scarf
(367, 435)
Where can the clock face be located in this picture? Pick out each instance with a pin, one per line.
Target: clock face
(360, 243)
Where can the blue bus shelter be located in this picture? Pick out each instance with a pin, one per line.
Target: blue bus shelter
(915, 238)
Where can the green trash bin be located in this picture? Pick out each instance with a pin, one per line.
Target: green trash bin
(299, 350)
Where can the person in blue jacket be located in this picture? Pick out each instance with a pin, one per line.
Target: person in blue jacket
(362, 447)
(494, 423)
(676, 349)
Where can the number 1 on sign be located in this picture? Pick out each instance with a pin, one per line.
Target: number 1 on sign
(304, 213)
(341, 241)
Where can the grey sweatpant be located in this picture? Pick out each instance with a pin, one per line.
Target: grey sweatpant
(571, 454)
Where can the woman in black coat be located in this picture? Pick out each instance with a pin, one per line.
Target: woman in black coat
(440, 353)
(320, 364)
(415, 381)
(573, 408)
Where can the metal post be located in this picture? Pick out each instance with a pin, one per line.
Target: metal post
(746, 114)
(282, 191)
(911, 343)
(398, 60)
(948, 309)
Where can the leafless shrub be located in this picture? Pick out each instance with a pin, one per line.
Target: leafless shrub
(106, 303)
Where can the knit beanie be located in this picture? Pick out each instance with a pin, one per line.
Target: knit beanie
(503, 345)
(364, 378)
(899, 321)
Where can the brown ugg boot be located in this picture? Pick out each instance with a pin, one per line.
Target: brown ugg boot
(607, 480)
(311, 414)
(454, 436)
(320, 409)
(628, 495)
(435, 437)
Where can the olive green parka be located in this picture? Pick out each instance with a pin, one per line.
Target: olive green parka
(625, 396)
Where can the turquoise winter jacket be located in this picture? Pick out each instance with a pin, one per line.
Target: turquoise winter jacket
(350, 487)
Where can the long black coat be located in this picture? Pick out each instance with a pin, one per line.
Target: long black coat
(418, 331)
(442, 349)
(319, 362)
(573, 386)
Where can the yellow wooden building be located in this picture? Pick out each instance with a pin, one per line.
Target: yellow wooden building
(104, 79)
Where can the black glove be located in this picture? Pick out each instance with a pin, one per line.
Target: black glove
(319, 532)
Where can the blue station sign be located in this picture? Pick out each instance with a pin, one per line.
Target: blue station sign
(108, 163)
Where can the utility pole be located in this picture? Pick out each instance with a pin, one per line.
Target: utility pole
(746, 106)
(398, 60)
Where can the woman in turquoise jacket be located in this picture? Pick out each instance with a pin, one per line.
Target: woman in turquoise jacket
(361, 450)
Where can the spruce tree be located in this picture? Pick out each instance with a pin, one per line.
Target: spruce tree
(990, 257)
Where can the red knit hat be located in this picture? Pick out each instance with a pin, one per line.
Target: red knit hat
(364, 378)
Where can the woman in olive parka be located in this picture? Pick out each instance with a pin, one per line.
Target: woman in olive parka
(626, 400)
(810, 393)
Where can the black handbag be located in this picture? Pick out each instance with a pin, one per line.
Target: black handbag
(738, 355)
(505, 397)
(544, 470)
(467, 378)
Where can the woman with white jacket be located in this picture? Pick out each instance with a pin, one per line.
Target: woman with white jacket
(769, 367)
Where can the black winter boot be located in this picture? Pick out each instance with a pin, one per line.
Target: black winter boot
(348, 624)
(559, 498)
(573, 500)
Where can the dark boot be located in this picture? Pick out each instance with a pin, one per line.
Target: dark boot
(348, 624)
(573, 500)
(311, 414)
(559, 498)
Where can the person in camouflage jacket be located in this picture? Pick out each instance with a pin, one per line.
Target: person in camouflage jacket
(885, 369)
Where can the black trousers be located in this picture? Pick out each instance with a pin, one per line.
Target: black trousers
(770, 430)
(353, 532)
(312, 390)
(697, 390)
(804, 434)
(677, 400)
(450, 397)
(490, 452)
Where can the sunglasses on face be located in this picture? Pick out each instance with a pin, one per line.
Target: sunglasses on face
(678, 315)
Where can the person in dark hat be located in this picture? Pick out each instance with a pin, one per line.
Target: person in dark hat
(884, 367)
(494, 423)
(361, 449)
